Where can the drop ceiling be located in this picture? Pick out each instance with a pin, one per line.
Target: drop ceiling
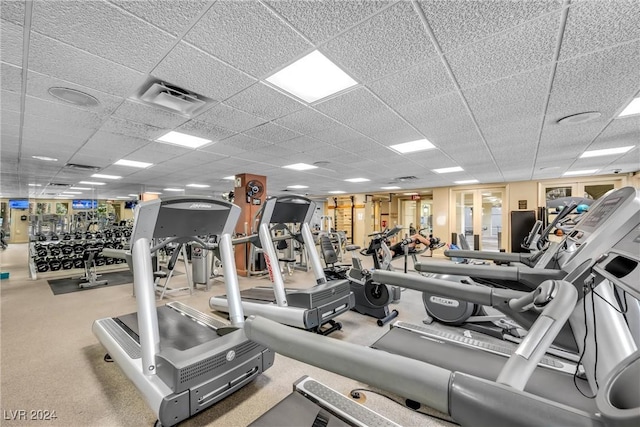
(484, 81)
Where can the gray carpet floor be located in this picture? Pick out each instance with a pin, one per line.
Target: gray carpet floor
(51, 361)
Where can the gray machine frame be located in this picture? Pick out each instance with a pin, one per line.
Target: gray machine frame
(193, 361)
(484, 387)
(309, 308)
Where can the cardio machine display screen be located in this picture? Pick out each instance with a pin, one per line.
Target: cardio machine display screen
(601, 213)
(289, 212)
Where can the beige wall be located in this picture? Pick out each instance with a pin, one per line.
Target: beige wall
(19, 229)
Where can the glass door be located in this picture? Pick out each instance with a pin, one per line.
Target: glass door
(479, 222)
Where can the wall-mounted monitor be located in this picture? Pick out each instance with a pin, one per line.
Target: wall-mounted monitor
(130, 204)
(18, 204)
(84, 204)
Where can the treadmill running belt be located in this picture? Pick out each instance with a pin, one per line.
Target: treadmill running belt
(176, 331)
(553, 385)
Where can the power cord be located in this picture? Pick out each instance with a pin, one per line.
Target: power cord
(411, 404)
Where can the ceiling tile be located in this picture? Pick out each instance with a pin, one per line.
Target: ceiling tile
(12, 11)
(390, 41)
(10, 101)
(272, 133)
(11, 46)
(204, 130)
(523, 48)
(172, 16)
(306, 121)
(227, 117)
(269, 44)
(353, 106)
(141, 113)
(194, 70)
(510, 99)
(53, 58)
(102, 29)
(322, 20)
(128, 128)
(593, 25)
(610, 76)
(10, 77)
(439, 117)
(619, 133)
(262, 101)
(418, 83)
(458, 23)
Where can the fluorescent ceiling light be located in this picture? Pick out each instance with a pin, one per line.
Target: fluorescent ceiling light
(337, 192)
(72, 192)
(45, 158)
(183, 139)
(582, 172)
(312, 77)
(79, 188)
(91, 183)
(36, 185)
(357, 180)
(606, 151)
(103, 176)
(133, 163)
(468, 181)
(133, 195)
(631, 109)
(230, 178)
(297, 187)
(448, 170)
(153, 192)
(198, 185)
(393, 187)
(173, 189)
(412, 146)
(123, 197)
(300, 167)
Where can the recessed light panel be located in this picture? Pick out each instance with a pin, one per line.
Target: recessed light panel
(312, 77)
(606, 151)
(412, 146)
(230, 178)
(36, 185)
(123, 197)
(198, 185)
(45, 158)
(72, 192)
(91, 183)
(582, 172)
(337, 192)
(133, 163)
(183, 140)
(297, 187)
(448, 170)
(79, 188)
(157, 193)
(632, 109)
(467, 181)
(103, 176)
(392, 187)
(300, 167)
(172, 189)
(357, 180)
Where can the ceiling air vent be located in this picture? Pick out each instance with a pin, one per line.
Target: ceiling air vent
(171, 97)
(404, 178)
(57, 184)
(82, 167)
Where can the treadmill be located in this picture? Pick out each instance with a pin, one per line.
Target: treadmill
(181, 360)
(487, 388)
(312, 309)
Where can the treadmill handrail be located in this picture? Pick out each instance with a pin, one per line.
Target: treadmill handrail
(419, 381)
(491, 255)
(519, 367)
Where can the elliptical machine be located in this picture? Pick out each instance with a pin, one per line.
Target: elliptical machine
(372, 298)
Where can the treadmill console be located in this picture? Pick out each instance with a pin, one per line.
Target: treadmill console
(621, 265)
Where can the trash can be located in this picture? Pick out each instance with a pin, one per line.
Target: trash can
(200, 264)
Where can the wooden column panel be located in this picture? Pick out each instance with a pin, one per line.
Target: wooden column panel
(249, 194)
